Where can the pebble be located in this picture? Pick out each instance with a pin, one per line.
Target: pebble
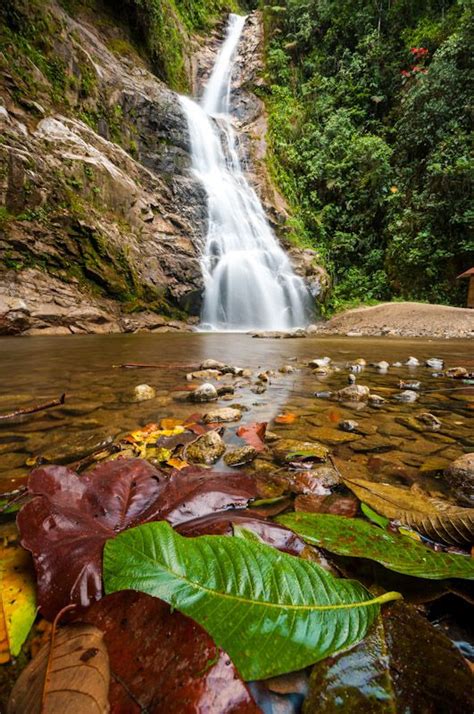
(396, 364)
(353, 393)
(415, 386)
(320, 362)
(212, 364)
(286, 369)
(412, 362)
(204, 393)
(435, 363)
(375, 400)
(224, 414)
(381, 366)
(457, 372)
(348, 425)
(143, 393)
(407, 396)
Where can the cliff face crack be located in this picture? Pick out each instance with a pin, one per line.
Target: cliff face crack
(248, 279)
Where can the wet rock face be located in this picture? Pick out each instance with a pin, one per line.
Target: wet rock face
(96, 188)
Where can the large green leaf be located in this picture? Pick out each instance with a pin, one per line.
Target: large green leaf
(359, 539)
(271, 612)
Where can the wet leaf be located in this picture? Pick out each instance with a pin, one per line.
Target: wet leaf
(358, 539)
(404, 665)
(73, 678)
(164, 662)
(374, 516)
(253, 434)
(67, 523)
(225, 523)
(285, 418)
(17, 596)
(334, 503)
(268, 625)
(433, 517)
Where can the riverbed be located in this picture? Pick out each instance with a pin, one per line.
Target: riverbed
(99, 396)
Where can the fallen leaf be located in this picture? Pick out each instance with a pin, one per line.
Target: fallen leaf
(253, 434)
(285, 418)
(170, 423)
(69, 519)
(164, 662)
(177, 464)
(432, 517)
(17, 595)
(404, 665)
(267, 625)
(67, 523)
(356, 538)
(334, 503)
(74, 677)
(224, 523)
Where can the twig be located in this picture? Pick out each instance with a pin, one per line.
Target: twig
(36, 408)
(13, 498)
(140, 365)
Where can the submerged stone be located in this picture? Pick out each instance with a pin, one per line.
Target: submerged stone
(207, 449)
(240, 457)
(223, 414)
(292, 450)
(353, 393)
(460, 476)
(204, 393)
(143, 392)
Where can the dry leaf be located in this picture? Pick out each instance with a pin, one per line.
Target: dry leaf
(437, 519)
(75, 678)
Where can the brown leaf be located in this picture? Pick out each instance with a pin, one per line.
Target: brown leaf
(253, 434)
(74, 678)
(432, 517)
(223, 524)
(164, 662)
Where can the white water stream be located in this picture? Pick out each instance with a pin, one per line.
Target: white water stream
(248, 280)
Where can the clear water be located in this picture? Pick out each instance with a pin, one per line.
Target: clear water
(249, 282)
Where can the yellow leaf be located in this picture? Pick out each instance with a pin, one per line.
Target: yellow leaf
(17, 595)
(177, 463)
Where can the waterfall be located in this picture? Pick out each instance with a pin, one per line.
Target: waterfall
(248, 279)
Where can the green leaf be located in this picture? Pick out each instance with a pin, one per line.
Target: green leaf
(374, 516)
(271, 612)
(358, 539)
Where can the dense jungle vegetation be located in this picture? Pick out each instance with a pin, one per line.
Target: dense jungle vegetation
(370, 140)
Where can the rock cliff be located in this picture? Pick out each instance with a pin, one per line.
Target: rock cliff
(101, 220)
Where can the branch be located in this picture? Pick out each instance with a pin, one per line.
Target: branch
(36, 408)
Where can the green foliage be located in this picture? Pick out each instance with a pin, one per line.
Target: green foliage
(271, 612)
(356, 538)
(370, 142)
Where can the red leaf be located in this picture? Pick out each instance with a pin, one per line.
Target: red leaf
(164, 662)
(67, 523)
(253, 434)
(223, 523)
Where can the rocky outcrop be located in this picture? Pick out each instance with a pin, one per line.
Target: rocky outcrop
(100, 209)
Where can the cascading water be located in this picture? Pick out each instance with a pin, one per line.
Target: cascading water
(248, 280)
